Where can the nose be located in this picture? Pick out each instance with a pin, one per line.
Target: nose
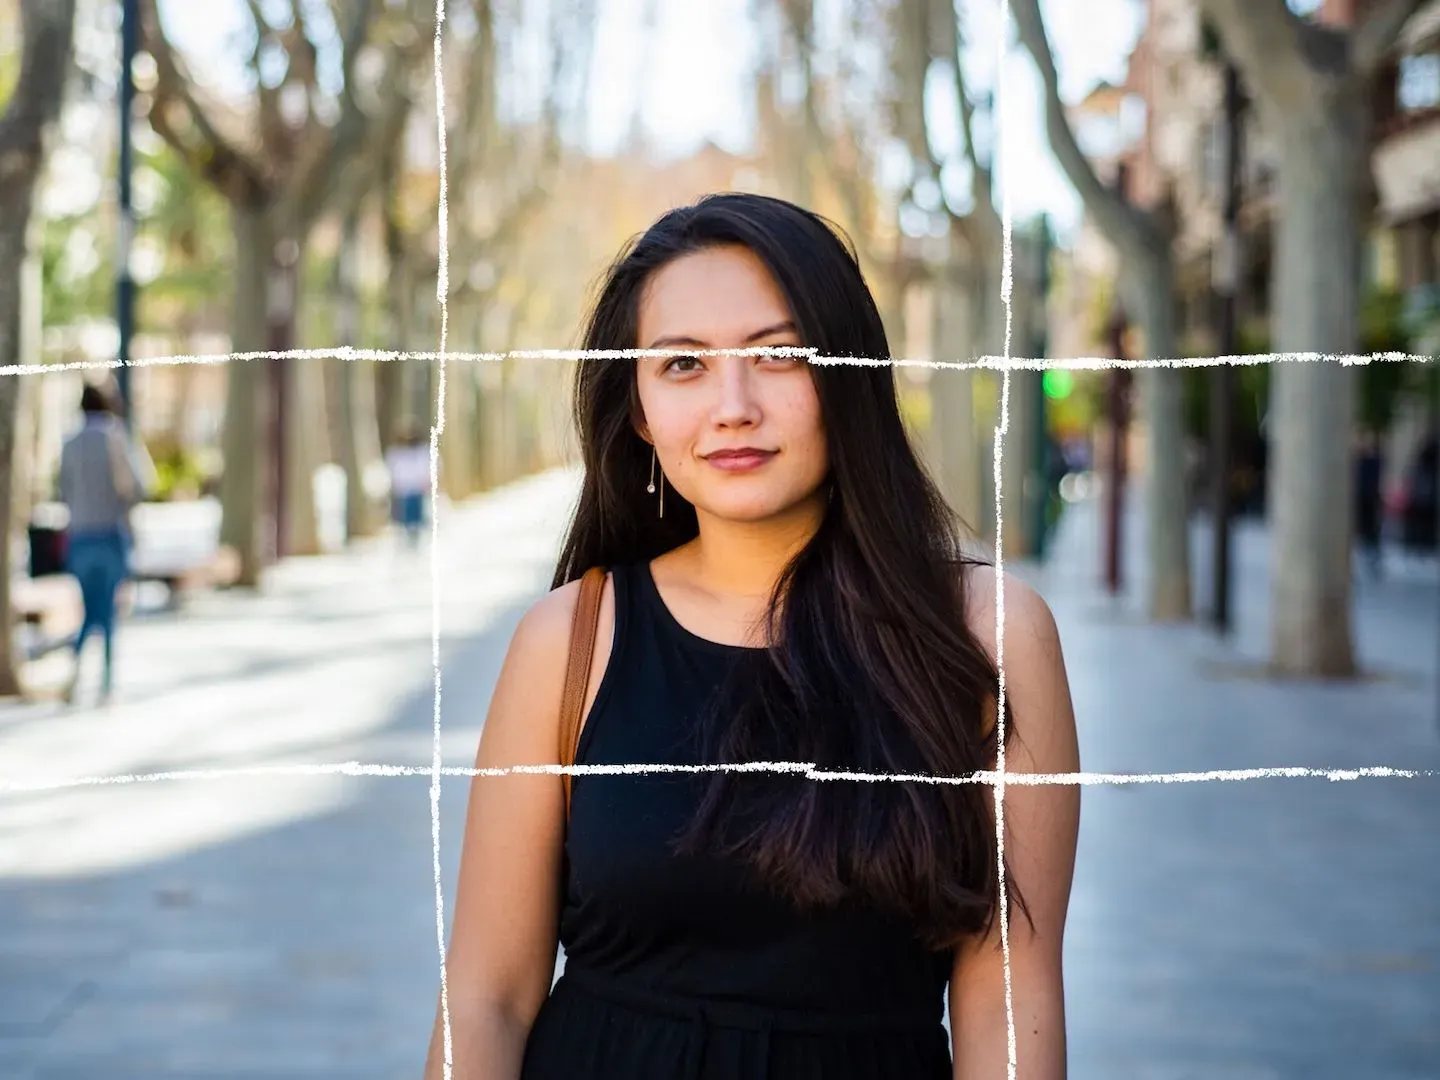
(738, 404)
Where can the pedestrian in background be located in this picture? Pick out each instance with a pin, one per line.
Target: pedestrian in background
(101, 478)
(408, 462)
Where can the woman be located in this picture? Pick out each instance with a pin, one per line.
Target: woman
(799, 596)
(99, 481)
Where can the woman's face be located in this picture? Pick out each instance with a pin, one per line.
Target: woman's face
(700, 410)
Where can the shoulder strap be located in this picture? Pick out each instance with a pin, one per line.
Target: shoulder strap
(577, 671)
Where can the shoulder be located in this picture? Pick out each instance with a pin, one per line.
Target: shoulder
(542, 638)
(1030, 630)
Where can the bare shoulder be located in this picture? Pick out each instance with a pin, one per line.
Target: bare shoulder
(1029, 624)
(541, 643)
(524, 708)
(527, 698)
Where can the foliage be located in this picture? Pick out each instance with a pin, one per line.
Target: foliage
(179, 473)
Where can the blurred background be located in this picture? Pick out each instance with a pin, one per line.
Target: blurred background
(1241, 559)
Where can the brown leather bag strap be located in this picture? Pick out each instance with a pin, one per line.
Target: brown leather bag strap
(577, 671)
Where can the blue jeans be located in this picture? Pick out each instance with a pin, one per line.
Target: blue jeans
(99, 561)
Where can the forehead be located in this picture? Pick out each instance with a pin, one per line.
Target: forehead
(716, 298)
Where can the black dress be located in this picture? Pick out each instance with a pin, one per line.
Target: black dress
(685, 968)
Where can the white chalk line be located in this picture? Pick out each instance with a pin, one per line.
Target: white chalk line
(1007, 282)
(442, 296)
(983, 363)
(797, 768)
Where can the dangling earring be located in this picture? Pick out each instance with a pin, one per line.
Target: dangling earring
(651, 487)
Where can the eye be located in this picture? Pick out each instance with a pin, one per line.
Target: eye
(675, 361)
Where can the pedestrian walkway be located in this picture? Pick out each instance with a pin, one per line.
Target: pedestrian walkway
(1266, 928)
(256, 926)
(285, 926)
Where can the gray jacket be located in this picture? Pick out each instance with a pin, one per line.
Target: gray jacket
(100, 478)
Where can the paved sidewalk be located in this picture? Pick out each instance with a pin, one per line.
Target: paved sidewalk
(255, 926)
(285, 927)
(1268, 928)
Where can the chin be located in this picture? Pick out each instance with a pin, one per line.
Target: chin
(755, 508)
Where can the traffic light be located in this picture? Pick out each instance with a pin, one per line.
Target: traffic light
(1057, 383)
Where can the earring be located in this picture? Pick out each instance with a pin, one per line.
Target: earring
(651, 487)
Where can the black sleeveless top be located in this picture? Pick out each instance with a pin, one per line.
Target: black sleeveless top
(686, 967)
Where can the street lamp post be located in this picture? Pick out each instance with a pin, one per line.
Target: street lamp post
(125, 282)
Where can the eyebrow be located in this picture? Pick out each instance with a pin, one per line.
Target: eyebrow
(778, 328)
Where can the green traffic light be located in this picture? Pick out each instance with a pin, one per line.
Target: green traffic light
(1057, 383)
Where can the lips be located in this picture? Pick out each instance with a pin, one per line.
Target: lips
(739, 460)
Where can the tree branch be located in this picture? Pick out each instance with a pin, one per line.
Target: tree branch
(320, 174)
(1374, 38)
(1123, 224)
(223, 165)
(1273, 48)
(272, 126)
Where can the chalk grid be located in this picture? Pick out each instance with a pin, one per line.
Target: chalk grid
(1005, 364)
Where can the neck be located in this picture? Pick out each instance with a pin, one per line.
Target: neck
(745, 559)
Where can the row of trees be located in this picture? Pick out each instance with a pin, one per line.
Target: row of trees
(336, 145)
(1313, 88)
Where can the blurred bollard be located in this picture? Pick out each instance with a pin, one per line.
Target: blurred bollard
(330, 498)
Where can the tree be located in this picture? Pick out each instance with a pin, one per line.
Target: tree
(303, 153)
(502, 174)
(1147, 277)
(47, 41)
(1312, 85)
(969, 310)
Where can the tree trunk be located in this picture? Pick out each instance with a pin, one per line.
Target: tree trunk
(305, 452)
(13, 216)
(358, 444)
(1142, 241)
(47, 29)
(1316, 309)
(182, 382)
(952, 404)
(245, 447)
(1162, 403)
(456, 475)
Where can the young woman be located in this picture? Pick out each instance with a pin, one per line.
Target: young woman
(800, 596)
(100, 480)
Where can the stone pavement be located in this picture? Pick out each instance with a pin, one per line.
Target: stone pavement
(285, 926)
(1258, 929)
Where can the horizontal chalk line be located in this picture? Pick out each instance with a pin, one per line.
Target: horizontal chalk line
(989, 363)
(1008, 778)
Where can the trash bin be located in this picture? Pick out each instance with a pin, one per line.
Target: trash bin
(47, 550)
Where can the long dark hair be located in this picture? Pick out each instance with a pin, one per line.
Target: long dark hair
(870, 665)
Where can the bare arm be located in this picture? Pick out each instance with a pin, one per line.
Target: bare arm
(504, 935)
(1041, 826)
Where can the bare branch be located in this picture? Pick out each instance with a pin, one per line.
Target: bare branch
(1375, 37)
(1116, 218)
(272, 126)
(223, 165)
(330, 159)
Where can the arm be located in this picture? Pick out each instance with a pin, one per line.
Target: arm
(504, 934)
(1041, 826)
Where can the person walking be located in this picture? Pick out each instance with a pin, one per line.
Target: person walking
(101, 478)
(759, 569)
(408, 462)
